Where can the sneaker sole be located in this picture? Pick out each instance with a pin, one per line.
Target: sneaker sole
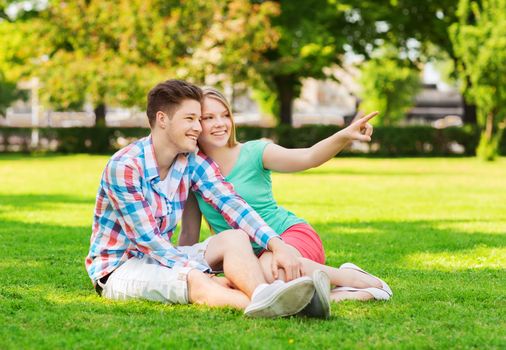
(377, 293)
(322, 292)
(289, 301)
(384, 285)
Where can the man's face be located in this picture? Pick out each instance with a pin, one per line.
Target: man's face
(184, 128)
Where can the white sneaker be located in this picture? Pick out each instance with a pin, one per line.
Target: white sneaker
(281, 299)
(384, 286)
(320, 303)
(377, 293)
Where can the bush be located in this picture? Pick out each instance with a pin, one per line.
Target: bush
(410, 141)
(387, 141)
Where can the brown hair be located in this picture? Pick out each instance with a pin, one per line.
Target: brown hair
(168, 95)
(215, 94)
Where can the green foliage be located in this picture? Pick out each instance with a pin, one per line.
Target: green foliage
(106, 52)
(309, 41)
(480, 41)
(425, 21)
(388, 86)
(113, 52)
(414, 222)
(232, 43)
(314, 35)
(414, 141)
(8, 93)
(267, 101)
(489, 149)
(14, 39)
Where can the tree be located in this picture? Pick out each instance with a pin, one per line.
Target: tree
(315, 34)
(428, 23)
(232, 47)
(389, 85)
(112, 52)
(308, 42)
(479, 38)
(14, 38)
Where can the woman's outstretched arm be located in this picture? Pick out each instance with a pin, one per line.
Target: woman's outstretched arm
(191, 221)
(282, 159)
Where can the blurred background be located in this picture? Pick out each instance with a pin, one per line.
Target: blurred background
(74, 74)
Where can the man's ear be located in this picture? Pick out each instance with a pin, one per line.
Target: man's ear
(161, 119)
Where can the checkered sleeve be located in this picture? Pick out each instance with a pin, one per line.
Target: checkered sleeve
(122, 184)
(208, 181)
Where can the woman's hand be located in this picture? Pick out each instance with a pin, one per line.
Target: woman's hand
(360, 130)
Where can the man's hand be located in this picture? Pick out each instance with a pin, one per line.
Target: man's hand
(284, 258)
(360, 129)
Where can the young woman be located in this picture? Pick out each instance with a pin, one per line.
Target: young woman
(248, 167)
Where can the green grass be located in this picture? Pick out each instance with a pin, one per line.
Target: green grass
(435, 229)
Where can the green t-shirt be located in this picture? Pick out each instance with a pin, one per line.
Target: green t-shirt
(253, 183)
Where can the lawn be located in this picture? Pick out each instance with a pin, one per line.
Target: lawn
(435, 229)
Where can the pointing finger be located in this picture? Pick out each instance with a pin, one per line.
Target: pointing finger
(368, 117)
(357, 116)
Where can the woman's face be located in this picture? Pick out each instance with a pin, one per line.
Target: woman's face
(216, 124)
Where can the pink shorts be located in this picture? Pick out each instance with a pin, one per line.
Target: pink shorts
(305, 239)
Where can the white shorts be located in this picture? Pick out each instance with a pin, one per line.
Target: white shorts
(145, 278)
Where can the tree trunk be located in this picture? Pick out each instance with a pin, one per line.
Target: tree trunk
(469, 116)
(285, 86)
(488, 148)
(100, 111)
(489, 126)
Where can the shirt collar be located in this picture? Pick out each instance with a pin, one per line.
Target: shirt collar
(151, 165)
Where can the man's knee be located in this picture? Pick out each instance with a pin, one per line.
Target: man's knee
(198, 283)
(235, 238)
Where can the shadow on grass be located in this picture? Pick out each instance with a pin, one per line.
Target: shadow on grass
(45, 290)
(375, 172)
(37, 156)
(43, 253)
(42, 200)
(478, 291)
(386, 243)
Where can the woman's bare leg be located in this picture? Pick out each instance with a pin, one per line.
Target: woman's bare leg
(338, 277)
(340, 296)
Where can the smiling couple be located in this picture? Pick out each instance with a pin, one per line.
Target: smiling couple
(273, 261)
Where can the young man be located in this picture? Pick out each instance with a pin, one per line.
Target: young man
(140, 200)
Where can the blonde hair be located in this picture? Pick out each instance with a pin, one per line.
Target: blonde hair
(218, 96)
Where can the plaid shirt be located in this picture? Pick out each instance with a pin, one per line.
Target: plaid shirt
(133, 216)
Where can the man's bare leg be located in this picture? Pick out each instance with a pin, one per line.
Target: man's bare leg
(232, 250)
(204, 290)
